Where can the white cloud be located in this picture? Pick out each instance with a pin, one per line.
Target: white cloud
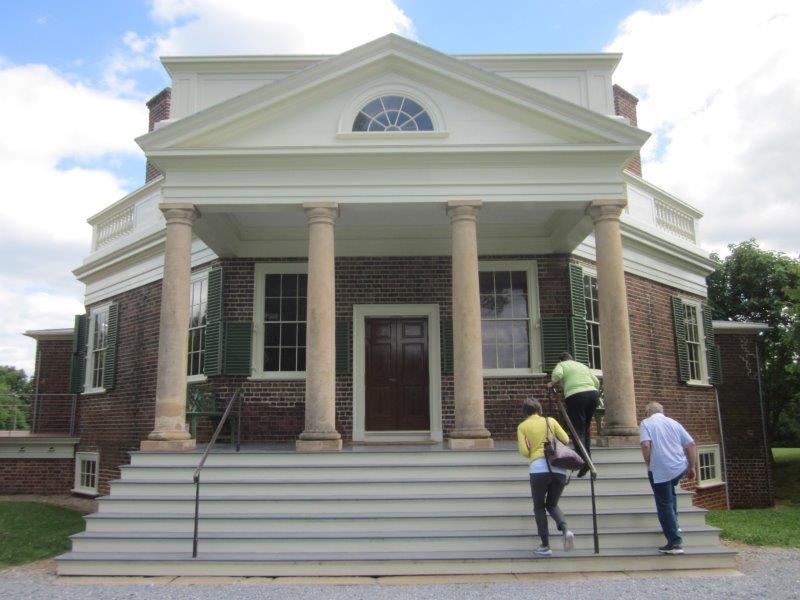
(719, 86)
(52, 129)
(274, 26)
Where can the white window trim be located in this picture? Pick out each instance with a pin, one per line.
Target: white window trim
(261, 270)
(78, 489)
(713, 449)
(701, 335)
(591, 271)
(200, 377)
(87, 381)
(535, 332)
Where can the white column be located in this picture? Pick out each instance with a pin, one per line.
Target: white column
(615, 350)
(469, 431)
(170, 432)
(320, 428)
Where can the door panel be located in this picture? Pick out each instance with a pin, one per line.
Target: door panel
(396, 378)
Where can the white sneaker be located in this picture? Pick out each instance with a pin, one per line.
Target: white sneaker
(569, 540)
(543, 551)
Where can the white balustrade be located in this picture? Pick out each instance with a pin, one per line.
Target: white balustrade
(114, 227)
(672, 219)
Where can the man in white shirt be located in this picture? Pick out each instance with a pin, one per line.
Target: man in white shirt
(670, 455)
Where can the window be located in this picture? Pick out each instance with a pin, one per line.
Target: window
(96, 352)
(86, 473)
(694, 341)
(392, 113)
(198, 306)
(508, 297)
(592, 320)
(279, 343)
(708, 466)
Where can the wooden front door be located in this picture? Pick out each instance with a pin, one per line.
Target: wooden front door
(396, 378)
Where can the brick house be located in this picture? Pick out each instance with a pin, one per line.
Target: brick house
(393, 245)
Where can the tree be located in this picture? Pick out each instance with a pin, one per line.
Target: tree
(752, 284)
(15, 388)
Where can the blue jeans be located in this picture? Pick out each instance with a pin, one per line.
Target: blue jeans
(667, 507)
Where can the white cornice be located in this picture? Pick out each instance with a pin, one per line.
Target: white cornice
(415, 56)
(47, 335)
(733, 327)
(657, 243)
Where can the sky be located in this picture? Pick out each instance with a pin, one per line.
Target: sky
(718, 82)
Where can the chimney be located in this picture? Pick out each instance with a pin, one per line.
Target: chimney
(625, 106)
(159, 106)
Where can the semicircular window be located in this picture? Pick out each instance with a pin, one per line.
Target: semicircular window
(392, 113)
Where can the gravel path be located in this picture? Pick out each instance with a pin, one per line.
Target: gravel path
(766, 573)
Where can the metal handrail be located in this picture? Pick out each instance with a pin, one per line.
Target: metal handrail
(237, 395)
(587, 459)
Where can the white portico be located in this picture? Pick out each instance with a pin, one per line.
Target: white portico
(499, 168)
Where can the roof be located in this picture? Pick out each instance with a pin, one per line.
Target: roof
(49, 334)
(738, 327)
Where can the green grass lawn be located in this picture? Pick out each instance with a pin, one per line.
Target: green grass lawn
(32, 531)
(779, 526)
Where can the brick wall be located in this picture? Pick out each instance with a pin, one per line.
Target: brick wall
(748, 466)
(625, 106)
(53, 405)
(36, 475)
(159, 107)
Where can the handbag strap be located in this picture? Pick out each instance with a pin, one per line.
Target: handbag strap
(546, 439)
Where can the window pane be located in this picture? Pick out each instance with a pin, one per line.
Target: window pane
(488, 332)
(519, 302)
(502, 281)
(272, 334)
(289, 286)
(392, 102)
(289, 334)
(486, 282)
(301, 334)
(373, 108)
(489, 356)
(271, 359)
(519, 331)
(301, 359)
(301, 309)
(289, 309)
(360, 123)
(519, 281)
(503, 306)
(302, 285)
(504, 329)
(288, 359)
(424, 122)
(487, 307)
(505, 356)
(522, 356)
(273, 285)
(272, 309)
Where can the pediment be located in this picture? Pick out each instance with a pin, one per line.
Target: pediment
(310, 108)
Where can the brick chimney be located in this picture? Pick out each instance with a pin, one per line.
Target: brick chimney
(625, 106)
(159, 106)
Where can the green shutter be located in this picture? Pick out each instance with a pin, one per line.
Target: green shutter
(555, 338)
(344, 354)
(446, 335)
(577, 324)
(110, 360)
(712, 351)
(77, 369)
(213, 348)
(212, 359)
(238, 342)
(681, 352)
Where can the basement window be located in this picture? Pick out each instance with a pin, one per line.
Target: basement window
(87, 469)
(709, 467)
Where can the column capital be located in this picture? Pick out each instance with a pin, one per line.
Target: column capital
(321, 212)
(459, 210)
(182, 213)
(604, 210)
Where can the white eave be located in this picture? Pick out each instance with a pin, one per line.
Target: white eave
(41, 335)
(733, 327)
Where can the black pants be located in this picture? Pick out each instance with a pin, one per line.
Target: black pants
(580, 409)
(546, 489)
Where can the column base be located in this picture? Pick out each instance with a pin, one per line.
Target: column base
(470, 443)
(616, 441)
(318, 445)
(167, 445)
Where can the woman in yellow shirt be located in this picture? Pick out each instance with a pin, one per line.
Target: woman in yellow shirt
(547, 482)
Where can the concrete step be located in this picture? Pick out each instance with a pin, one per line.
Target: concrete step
(335, 522)
(371, 503)
(373, 541)
(392, 486)
(365, 471)
(400, 456)
(376, 564)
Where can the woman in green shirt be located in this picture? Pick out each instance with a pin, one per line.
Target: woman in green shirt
(580, 388)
